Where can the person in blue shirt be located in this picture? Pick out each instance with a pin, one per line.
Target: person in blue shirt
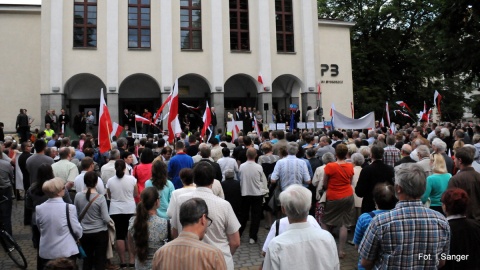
(385, 200)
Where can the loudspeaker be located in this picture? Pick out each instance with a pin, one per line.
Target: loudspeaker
(265, 106)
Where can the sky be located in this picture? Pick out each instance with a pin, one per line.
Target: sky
(21, 2)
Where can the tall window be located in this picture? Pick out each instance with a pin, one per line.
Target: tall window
(239, 33)
(191, 24)
(139, 24)
(284, 25)
(85, 23)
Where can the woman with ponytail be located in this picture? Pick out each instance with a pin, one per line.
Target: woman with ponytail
(163, 185)
(147, 231)
(122, 189)
(93, 216)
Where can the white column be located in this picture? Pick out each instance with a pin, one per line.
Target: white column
(166, 48)
(264, 46)
(112, 44)
(307, 37)
(56, 44)
(217, 44)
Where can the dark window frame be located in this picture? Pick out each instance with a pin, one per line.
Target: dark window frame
(139, 27)
(236, 33)
(85, 26)
(191, 29)
(284, 33)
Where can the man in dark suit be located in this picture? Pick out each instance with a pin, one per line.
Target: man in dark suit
(232, 191)
(205, 153)
(405, 153)
(247, 121)
(375, 173)
(213, 122)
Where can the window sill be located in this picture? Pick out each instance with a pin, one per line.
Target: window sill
(191, 50)
(287, 53)
(85, 48)
(241, 51)
(139, 49)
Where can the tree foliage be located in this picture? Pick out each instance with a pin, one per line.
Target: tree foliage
(405, 50)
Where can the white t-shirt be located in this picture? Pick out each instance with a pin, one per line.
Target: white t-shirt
(283, 227)
(79, 184)
(121, 191)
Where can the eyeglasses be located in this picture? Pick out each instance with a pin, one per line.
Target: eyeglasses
(209, 220)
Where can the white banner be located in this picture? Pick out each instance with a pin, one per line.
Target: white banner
(230, 125)
(281, 126)
(342, 121)
(301, 125)
(320, 125)
(310, 125)
(272, 126)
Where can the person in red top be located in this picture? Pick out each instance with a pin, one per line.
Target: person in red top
(340, 203)
(146, 127)
(143, 171)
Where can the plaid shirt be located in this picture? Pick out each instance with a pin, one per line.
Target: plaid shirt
(391, 155)
(408, 237)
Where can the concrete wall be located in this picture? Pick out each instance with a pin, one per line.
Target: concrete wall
(20, 68)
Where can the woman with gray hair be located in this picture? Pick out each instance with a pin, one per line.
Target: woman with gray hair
(317, 181)
(357, 160)
(58, 224)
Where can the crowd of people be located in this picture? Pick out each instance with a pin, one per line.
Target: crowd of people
(412, 197)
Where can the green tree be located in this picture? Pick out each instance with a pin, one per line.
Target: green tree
(396, 55)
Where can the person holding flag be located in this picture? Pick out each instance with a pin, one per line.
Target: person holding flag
(173, 121)
(207, 120)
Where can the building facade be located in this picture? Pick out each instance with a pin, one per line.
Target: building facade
(60, 54)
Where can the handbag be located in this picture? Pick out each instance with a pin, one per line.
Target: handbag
(81, 251)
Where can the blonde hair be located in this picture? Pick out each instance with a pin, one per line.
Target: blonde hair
(438, 165)
(458, 144)
(53, 186)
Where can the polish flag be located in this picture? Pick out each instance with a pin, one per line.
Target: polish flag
(424, 113)
(207, 119)
(260, 81)
(435, 96)
(235, 131)
(117, 130)
(160, 110)
(173, 122)
(382, 124)
(257, 129)
(388, 113)
(105, 126)
(319, 89)
(404, 105)
(331, 110)
(144, 120)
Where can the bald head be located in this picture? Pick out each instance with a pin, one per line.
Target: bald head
(406, 150)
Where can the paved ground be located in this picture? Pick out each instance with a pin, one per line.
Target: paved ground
(247, 256)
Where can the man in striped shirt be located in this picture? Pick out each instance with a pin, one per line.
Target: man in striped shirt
(187, 251)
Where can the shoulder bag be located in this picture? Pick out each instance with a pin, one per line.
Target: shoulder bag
(81, 252)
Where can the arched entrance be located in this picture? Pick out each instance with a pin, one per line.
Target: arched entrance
(240, 90)
(138, 92)
(286, 90)
(194, 91)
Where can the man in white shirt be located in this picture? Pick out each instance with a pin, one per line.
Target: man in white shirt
(227, 162)
(108, 170)
(301, 246)
(64, 168)
(87, 166)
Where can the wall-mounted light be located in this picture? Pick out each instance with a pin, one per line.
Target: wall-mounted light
(112, 89)
(267, 88)
(55, 89)
(167, 88)
(311, 89)
(218, 88)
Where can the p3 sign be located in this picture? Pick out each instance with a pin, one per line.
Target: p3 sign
(333, 68)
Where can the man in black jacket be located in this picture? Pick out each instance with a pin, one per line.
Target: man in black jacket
(375, 173)
(405, 153)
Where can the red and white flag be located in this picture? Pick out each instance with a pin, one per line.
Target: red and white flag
(382, 124)
(142, 119)
(435, 96)
(424, 113)
(160, 110)
(331, 110)
(235, 131)
(173, 122)
(257, 129)
(353, 111)
(403, 105)
(207, 119)
(387, 109)
(260, 81)
(117, 130)
(104, 126)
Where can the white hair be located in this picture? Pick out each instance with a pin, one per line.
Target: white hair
(439, 144)
(296, 200)
(358, 159)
